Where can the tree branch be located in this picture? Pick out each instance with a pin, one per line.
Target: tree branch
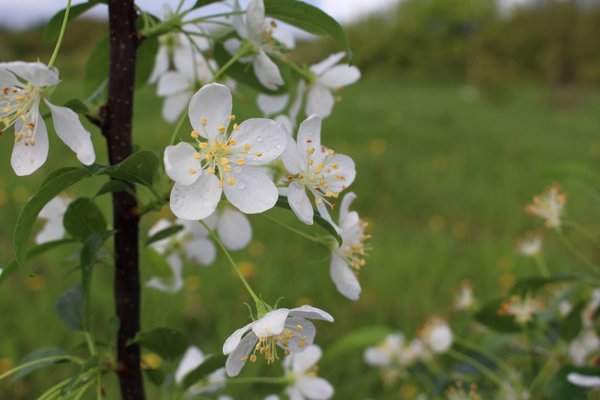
(116, 127)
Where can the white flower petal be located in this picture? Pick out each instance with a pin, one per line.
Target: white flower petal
(234, 229)
(8, 79)
(174, 105)
(344, 279)
(235, 338)
(284, 36)
(179, 161)
(200, 251)
(52, 230)
(185, 59)
(586, 381)
(70, 130)
(198, 200)
(376, 357)
(340, 76)
(345, 205)
(161, 64)
(253, 192)
(271, 324)
(54, 209)
(174, 283)
(191, 360)
(238, 21)
(297, 104)
(214, 103)
(294, 393)
(264, 136)
(319, 101)
(303, 337)
(36, 72)
(305, 360)
(255, 20)
(327, 63)
(236, 360)
(286, 124)
(311, 312)
(232, 46)
(270, 105)
(172, 83)
(315, 388)
(346, 168)
(309, 135)
(267, 71)
(27, 159)
(293, 160)
(300, 203)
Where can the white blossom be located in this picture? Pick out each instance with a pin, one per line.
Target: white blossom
(288, 329)
(549, 206)
(531, 244)
(314, 169)
(437, 335)
(23, 88)
(191, 360)
(587, 381)
(386, 352)
(301, 369)
(464, 298)
(222, 162)
(53, 213)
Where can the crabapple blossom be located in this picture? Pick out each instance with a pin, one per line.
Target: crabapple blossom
(329, 77)
(386, 352)
(315, 169)
(463, 297)
(531, 244)
(23, 88)
(301, 369)
(264, 39)
(191, 360)
(437, 335)
(522, 308)
(221, 162)
(53, 213)
(348, 259)
(288, 329)
(549, 206)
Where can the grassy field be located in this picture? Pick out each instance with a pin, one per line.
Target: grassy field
(442, 178)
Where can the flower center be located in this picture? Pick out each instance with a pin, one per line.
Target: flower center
(268, 346)
(19, 104)
(355, 249)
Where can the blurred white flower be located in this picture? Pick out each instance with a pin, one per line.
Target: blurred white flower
(549, 206)
(522, 308)
(330, 77)
(587, 341)
(232, 226)
(587, 381)
(386, 352)
(191, 360)
(531, 244)
(464, 298)
(223, 162)
(315, 169)
(23, 87)
(264, 38)
(348, 259)
(301, 369)
(53, 213)
(288, 329)
(437, 335)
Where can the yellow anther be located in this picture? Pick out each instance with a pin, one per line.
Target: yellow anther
(224, 161)
(310, 150)
(203, 121)
(197, 155)
(208, 156)
(194, 135)
(203, 145)
(299, 327)
(319, 202)
(236, 127)
(232, 141)
(246, 147)
(331, 151)
(231, 181)
(192, 171)
(240, 161)
(252, 358)
(221, 129)
(210, 170)
(32, 142)
(227, 168)
(335, 165)
(231, 117)
(258, 154)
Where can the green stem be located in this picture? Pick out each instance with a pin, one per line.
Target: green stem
(54, 390)
(478, 365)
(480, 349)
(179, 6)
(207, 17)
(542, 376)
(177, 128)
(542, 267)
(256, 299)
(61, 35)
(84, 389)
(244, 51)
(18, 368)
(296, 231)
(301, 71)
(258, 379)
(90, 343)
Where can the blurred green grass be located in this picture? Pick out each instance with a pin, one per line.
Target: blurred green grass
(443, 176)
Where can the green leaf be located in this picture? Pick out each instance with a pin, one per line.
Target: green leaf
(113, 186)
(140, 167)
(92, 362)
(489, 316)
(559, 388)
(283, 203)
(52, 29)
(69, 307)
(168, 343)
(146, 54)
(156, 376)
(534, 284)
(77, 105)
(355, 340)
(157, 263)
(96, 68)
(208, 366)
(34, 251)
(83, 218)
(39, 354)
(308, 18)
(202, 3)
(164, 233)
(49, 190)
(570, 326)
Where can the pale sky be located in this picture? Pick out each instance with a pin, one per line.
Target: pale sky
(20, 14)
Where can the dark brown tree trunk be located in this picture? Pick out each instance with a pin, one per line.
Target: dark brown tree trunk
(116, 127)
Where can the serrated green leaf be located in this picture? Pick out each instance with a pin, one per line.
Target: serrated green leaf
(355, 340)
(164, 233)
(49, 190)
(208, 366)
(12, 266)
(69, 308)
(140, 167)
(282, 202)
(490, 317)
(114, 186)
(40, 354)
(52, 28)
(168, 343)
(83, 218)
(308, 18)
